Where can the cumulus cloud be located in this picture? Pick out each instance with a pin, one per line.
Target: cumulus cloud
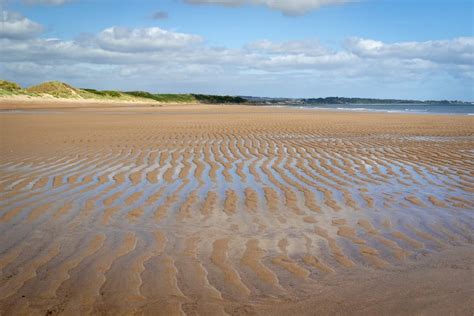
(143, 39)
(15, 26)
(456, 51)
(146, 56)
(308, 47)
(117, 46)
(288, 7)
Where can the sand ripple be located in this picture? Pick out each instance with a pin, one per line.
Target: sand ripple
(183, 212)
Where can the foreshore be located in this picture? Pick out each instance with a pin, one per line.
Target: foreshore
(227, 209)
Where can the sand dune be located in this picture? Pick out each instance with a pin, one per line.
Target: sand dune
(219, 210)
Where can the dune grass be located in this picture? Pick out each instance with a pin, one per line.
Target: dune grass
(54, 88)
(170, 98)
(59, 89)
(9, 86)
(187, 98)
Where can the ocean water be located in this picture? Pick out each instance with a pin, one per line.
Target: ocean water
(454, 109)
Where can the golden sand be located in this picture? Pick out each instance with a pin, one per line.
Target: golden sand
(216, 210)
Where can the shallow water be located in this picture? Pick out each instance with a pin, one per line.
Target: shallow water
(455, 109)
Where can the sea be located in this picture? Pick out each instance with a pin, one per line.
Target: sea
(453, 109)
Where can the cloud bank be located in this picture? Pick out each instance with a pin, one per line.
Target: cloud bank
(156, 59)
(121, 39)
(456, 51)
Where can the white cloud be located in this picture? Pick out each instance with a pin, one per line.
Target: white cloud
(116, 46)
(288, 7)
(456, 51)
(153, 58)
(143, 39)
(15, 26)
(308, 47)
(305, 62)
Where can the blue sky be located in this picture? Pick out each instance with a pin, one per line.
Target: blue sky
(301, 48)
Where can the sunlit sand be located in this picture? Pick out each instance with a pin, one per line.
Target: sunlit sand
(237, 210)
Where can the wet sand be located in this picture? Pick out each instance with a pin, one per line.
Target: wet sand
(216, 210)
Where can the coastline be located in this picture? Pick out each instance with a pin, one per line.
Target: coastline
(378, 108)
(30, 102)
(23, 102)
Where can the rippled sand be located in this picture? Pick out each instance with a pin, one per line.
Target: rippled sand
(234, 210)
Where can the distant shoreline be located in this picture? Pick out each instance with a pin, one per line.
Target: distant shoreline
(350, 101)
(13, 96)
(22, 103)
(59, 90)
(440, 109)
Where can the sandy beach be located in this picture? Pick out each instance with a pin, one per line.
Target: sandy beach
(233, 210)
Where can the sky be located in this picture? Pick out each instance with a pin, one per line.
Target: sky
(408, 49)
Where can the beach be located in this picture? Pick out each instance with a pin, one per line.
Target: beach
(238, 210)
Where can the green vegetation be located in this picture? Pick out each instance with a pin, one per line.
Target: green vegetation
(63, 90)
(169, 98)
(104, 93)
(212, 99)
(9, 86)
(54, 88)
(187, 98)
(341, 100)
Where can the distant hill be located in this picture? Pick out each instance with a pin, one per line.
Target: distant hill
(338, 100)
(341, 100)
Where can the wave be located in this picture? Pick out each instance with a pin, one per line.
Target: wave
(362, 109)
(451, 110)
(432, 109)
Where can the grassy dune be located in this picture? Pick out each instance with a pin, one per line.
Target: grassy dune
(58, 89)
